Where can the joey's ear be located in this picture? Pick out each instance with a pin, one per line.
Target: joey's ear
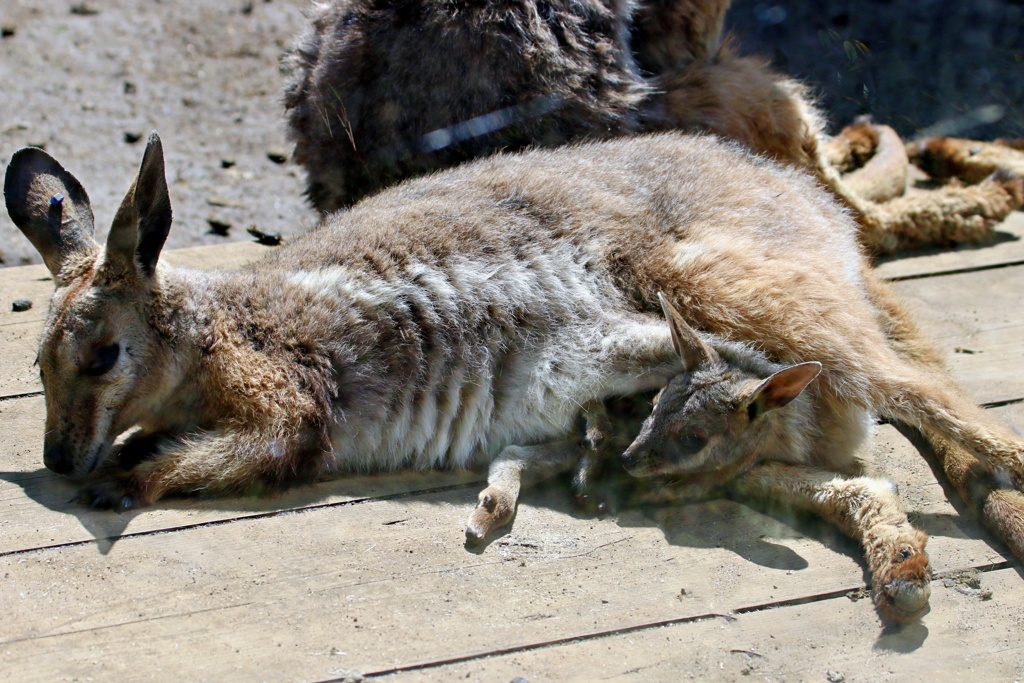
(781, 388)
(49, 205)
(144, 218)
(688, 344)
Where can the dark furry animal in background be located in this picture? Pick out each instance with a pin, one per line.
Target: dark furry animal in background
(378, 92)
(382, 91)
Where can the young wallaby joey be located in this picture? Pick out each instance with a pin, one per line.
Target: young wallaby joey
(460, 316)
(733, 419)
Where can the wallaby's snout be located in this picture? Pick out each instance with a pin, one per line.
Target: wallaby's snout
(56, 459)
(643, 459)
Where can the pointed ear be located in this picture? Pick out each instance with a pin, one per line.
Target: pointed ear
(49, 205)
(781, 388)
(144, 218)
(688, 344)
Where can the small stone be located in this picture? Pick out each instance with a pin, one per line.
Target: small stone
(219, 227)
(834, 676)
(20, 305)
(132, 136)
(227, 163)
(218, 200)
(278, 155)
(129, 88)
(247, 7)
(84, 9)
(268, 239)
(8, 30)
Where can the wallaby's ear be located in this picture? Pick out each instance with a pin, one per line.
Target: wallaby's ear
(144, 218)
(49, 205)
(690, 347)
(781, 388)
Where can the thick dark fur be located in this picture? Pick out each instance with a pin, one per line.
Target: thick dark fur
(382, 91)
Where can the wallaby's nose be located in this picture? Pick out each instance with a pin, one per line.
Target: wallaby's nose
(57, 460)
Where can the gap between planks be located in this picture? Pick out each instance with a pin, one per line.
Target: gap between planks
(639, 628)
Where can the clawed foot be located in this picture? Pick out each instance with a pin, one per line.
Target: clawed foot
(902, 588)
(112, 493)
(493, 511)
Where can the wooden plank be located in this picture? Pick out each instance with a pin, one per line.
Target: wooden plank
(976, 317)
(389, 584)
(1007, 247)
(964, 637)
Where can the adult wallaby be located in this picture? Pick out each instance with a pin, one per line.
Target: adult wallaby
(448, 319)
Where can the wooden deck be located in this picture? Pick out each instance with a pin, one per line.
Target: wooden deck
(370, 575)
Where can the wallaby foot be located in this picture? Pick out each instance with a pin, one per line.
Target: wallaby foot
(866, 509)
(115, 493)
(515, 467)
(494, 510)
(598, 435)
(901, 585)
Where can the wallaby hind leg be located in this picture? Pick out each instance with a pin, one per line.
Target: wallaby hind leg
(1001, 509)
(932, 405)
(866, 509)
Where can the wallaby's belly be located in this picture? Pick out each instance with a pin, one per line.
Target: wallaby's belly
(488, 355)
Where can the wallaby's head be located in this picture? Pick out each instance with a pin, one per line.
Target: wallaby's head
(712, 415)
(99, 358)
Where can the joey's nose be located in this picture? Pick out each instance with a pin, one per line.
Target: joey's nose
(57, 460)
(632, 457)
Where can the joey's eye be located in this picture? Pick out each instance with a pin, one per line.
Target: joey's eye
(693, 442)
(102, 360)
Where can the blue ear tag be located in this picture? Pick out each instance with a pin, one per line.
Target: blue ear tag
(55, 215)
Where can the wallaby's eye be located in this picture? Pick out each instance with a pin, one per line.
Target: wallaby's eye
(102, 360)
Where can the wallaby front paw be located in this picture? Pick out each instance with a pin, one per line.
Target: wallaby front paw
(493, 511)
(902, 588)
(113, 493)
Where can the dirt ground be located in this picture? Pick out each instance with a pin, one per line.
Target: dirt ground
(89, 81)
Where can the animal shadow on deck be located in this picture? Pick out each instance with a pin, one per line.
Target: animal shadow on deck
(106, 528)
(755, 531)
(54, 493)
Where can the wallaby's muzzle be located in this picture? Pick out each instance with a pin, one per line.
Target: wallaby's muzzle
(56, 459)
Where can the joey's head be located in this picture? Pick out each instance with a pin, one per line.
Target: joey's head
(101, 360)
(710, 416)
